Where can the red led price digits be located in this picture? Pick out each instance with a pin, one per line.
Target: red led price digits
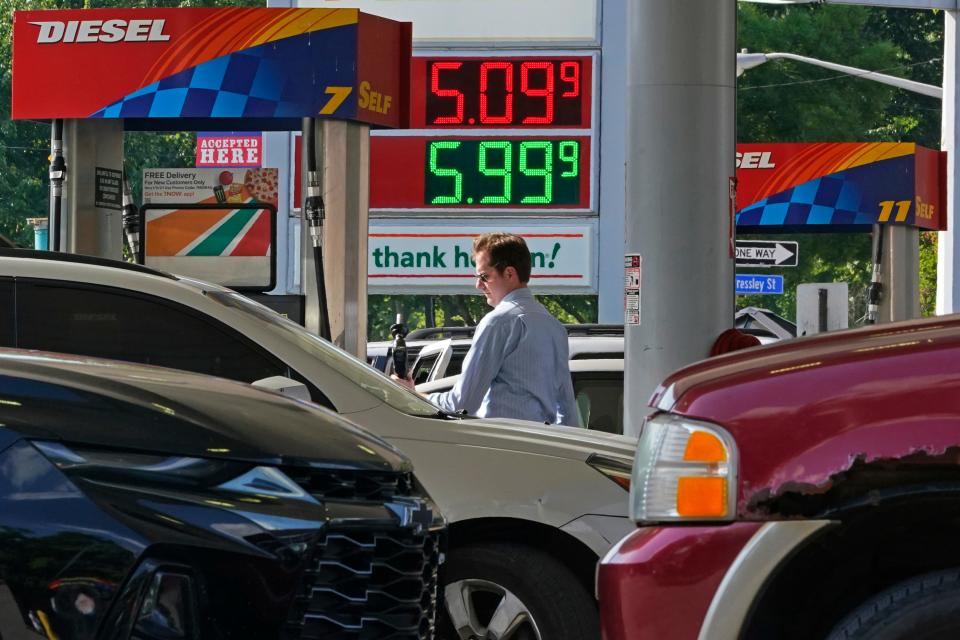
(570, 72)
(507, 69)
(546, 92)
(443, 93)
(483, 92)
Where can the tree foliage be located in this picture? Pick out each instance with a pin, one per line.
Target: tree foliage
(461, 310)
(787, 101)
(781, 101)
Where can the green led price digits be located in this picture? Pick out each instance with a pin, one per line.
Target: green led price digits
(457, 196)
(503, 172)
(546, 172)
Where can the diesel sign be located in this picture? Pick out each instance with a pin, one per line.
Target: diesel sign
(101, 31)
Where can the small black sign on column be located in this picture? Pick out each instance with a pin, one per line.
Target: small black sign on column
(767, 253)
(108, 189)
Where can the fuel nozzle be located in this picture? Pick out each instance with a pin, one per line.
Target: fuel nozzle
(131, 219)
(399, 331)
(315, 209)
(58, 174)
(874, 297)
(58, 167)
(875, 292)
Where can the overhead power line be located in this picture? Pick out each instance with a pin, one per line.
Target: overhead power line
(838, 77)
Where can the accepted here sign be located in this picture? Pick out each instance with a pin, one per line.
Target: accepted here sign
(229, 150)
(436, 257)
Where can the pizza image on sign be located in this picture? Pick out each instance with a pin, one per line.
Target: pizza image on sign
(262, 185)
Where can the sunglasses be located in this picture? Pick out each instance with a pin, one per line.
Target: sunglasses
(485, 277)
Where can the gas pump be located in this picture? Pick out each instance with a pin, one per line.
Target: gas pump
(315, 213)
(130, 219)
(263, 70)
(58, 172)
(875, 292)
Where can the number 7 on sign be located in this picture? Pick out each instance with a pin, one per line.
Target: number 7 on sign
(337, 96)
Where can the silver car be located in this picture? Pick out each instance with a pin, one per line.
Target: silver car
(531, 507)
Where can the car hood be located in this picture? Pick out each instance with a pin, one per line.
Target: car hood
(716, 385)
(103, 403)
(532, 437)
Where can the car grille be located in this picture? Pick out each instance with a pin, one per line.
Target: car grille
(333, 484)
(364, 585)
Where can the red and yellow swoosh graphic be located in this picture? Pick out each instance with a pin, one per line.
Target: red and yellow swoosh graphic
(818, 160)
(248, 27)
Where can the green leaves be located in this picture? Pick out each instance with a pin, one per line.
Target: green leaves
(787, 101)
(461, 310)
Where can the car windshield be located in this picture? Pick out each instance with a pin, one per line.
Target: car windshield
(355, 370)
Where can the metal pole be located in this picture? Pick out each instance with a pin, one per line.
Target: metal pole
(948, 261)
(680, 160)
(822, 295)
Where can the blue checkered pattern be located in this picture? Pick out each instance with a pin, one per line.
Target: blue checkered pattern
(848, 197)
(826, 200)
(285, 78)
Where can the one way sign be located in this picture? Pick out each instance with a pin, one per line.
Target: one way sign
(766, 253)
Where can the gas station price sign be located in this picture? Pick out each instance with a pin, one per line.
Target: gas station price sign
(529, 92)
(492, 132)
(480, 173)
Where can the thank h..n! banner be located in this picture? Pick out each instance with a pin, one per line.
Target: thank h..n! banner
(439, 257)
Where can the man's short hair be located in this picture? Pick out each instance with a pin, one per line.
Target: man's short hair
(505, 250)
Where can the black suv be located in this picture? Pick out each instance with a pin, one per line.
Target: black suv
(143, 503)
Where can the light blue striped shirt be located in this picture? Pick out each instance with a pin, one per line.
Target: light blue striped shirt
(517, 366)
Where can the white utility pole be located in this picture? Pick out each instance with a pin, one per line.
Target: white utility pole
(948, 296)
(681, 94)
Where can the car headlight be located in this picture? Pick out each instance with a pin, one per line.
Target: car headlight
(616, 470)
(685, 470)
(115, 464)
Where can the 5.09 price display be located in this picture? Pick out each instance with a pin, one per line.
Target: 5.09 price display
(503, 173)
(505, 92)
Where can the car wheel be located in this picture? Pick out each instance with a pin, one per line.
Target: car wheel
(513, 592)
(926, 607)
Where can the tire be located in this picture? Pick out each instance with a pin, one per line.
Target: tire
(925, 607)
(504, 591)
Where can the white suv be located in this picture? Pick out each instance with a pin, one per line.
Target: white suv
(597, 387)
(530, 507)
(444, 358)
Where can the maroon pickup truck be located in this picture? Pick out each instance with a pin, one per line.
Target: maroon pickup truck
(807, 489)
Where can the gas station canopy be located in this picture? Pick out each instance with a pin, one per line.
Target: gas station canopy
(159, 69)
(837, 186)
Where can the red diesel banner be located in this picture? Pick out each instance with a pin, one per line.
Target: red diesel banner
(841, 184)
(210, 63)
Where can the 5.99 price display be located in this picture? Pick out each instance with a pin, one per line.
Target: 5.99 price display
(505, 92)
(485, 173)
(500, 173)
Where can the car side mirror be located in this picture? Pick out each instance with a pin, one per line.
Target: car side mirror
(286, 386)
